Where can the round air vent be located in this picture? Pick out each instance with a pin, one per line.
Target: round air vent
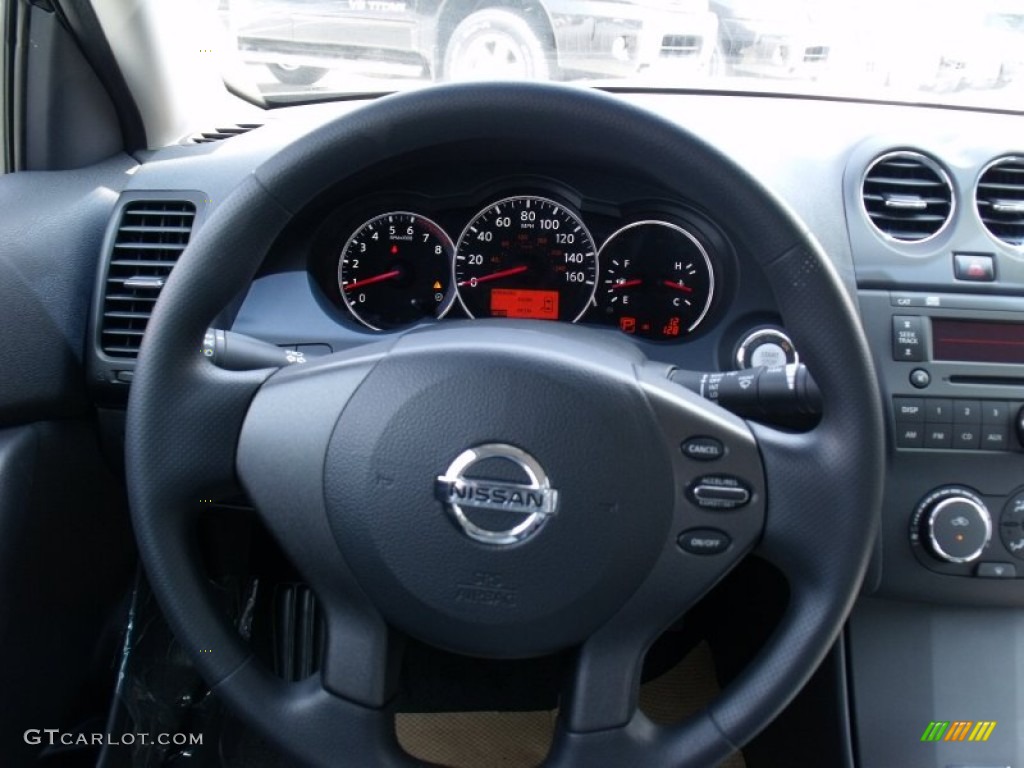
(1000, 199)
(907, 196)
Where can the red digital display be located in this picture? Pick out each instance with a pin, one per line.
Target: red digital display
(971, 341)
(524, 303)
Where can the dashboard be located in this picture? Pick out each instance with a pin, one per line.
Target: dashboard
(921, 222)
(924, 226)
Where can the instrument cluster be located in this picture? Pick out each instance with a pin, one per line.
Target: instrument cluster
(653, 270)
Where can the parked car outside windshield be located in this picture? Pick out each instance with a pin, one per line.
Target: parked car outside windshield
(963, 53)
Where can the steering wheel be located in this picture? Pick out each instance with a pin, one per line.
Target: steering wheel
(370, 467)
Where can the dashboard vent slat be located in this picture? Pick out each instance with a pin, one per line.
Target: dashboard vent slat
(907, 196)
(1000, 200)
(222, 133)
(141, 258)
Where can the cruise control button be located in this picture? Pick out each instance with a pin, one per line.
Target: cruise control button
(703, 448)
(719, 492)
(996, 571)
(704, 541)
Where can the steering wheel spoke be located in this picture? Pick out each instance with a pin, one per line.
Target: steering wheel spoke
(718, 515)
(280, 463)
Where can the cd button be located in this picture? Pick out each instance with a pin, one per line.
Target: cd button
(965, 437)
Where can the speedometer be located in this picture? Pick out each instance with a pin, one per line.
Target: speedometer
(526, 257)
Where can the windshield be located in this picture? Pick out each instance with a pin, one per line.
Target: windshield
(905, 50)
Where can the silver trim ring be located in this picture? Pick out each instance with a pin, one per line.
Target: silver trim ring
(536, 500)
(958, 497)
(1015, 250)
(933, 165)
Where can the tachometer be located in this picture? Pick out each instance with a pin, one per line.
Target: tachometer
(395, 269)
(526, 257)
(659, 280)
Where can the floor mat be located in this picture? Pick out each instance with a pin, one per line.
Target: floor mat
(521, 739)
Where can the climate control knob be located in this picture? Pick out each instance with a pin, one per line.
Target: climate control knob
(953, 524)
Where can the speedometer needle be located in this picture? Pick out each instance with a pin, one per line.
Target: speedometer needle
(679, 286)
(494, 275)
(371, 280)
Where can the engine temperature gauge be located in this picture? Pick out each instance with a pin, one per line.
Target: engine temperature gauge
(659, 281)
(394, 270)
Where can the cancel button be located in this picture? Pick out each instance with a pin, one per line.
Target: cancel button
(703, 448)
(704, 541)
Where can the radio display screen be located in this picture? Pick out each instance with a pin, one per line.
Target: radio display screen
(974, 341)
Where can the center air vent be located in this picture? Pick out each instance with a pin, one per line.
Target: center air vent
(150, 238)
(1000, 197)
(907, 196)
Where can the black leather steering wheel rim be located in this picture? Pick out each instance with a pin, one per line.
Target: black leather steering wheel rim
(185, 416)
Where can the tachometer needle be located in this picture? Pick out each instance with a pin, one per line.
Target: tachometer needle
(494, 275)
(626, 284)
(678, 286)
(371, 280)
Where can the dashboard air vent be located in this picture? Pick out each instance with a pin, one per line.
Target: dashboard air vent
(907, 196)
(219, 134)
(1000, 198)
(150, 238)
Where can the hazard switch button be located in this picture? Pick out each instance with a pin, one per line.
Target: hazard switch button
(977, 267)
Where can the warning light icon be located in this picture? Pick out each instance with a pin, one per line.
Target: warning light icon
(437, 285)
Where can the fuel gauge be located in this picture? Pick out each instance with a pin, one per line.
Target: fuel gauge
(658, 281)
